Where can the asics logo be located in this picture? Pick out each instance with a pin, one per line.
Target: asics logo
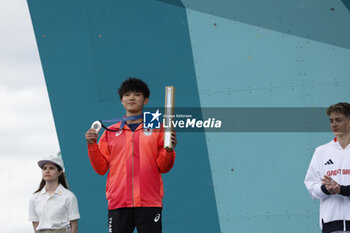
(156, 219)
(119, 132)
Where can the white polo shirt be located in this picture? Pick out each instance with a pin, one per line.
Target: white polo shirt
(53, 211)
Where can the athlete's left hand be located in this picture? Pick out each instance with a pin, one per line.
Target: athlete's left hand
(173, 141)
(332, 186)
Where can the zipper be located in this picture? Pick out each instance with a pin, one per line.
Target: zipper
(132, 172)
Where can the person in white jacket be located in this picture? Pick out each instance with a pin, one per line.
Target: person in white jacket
(328, 176)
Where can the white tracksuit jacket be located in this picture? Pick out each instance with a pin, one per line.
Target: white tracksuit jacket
(332, 160)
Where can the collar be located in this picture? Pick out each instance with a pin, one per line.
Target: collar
(336, 143)
(117, 126)
(58, 191)
(140, 126)
(126, 118)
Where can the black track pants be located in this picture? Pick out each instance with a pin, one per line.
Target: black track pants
(145, 219)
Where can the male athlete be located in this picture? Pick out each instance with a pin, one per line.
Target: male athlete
(135, 158)
(328, 176)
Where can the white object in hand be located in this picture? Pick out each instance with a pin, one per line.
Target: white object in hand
(169, 111)
(96, 126)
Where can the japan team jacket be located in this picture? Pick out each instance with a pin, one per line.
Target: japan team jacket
(135, 161)
(332, 160)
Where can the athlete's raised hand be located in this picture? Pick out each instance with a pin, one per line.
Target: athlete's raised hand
(91, 136)
(173, 141)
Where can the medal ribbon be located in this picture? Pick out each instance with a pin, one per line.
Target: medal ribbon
(123, 121)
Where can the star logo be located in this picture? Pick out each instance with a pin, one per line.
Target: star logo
(151, 120)
(156, 115)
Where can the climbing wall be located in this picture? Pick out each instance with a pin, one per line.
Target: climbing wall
(219, 54)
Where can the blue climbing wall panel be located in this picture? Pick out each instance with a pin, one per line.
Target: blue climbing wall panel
(227, 53)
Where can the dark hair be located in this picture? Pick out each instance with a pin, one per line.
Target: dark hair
(341, 108)
(61, 180)
(134, 84)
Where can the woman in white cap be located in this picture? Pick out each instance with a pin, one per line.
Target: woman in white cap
(53, 208)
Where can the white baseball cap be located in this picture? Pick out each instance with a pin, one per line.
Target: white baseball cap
(52, 159)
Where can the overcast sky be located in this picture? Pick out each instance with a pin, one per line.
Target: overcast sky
(26, 123)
